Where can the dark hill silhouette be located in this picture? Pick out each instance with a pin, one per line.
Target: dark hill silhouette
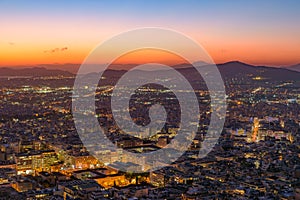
(229, 70)
(236, 69)
(294, 67)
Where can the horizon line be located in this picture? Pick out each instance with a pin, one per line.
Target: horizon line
(194, 63)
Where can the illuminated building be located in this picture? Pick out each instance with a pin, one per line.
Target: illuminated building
(85, 162)
(255, 128)
(157, 179)
(30, 163)
(106, 178)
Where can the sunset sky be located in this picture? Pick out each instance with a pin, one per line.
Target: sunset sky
(47, 32)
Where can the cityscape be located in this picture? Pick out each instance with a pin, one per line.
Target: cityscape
(45, 153)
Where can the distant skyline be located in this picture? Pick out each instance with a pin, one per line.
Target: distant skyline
(47, 32)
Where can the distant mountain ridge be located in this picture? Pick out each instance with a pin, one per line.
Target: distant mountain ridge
(244, 71)
(228, 70)
(238, 69)
(294, 67)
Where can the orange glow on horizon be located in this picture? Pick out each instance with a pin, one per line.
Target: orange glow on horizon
(255, 52)
(144, 56)
(261, 35)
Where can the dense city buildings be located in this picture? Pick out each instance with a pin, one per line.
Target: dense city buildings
(42, 157)
(142, 100)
